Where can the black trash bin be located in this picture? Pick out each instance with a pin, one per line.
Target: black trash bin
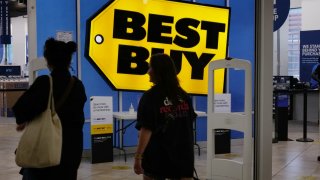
(222, 141)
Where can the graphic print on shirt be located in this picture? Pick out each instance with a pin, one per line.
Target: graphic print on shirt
(172, 112)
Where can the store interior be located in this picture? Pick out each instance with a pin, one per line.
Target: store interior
(295, 121)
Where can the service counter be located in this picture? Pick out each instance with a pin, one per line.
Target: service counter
(298, 103)
(304, 106)
(11, 88)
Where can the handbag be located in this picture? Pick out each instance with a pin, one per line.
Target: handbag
(40, 145)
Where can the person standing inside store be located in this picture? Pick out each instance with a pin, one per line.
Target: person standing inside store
(315, 76)
(58, 55)
(165, 122)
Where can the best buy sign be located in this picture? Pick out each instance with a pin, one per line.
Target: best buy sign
(125, 33)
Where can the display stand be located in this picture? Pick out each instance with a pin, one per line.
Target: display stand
(305, 117)
(218, 168)
(101, 123)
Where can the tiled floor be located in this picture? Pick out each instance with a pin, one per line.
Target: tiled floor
(291, 160)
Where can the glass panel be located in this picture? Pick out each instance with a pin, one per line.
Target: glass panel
(294, 19)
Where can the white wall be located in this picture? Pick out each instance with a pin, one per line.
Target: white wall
(18, 32)
(295, 3)
(310, 15)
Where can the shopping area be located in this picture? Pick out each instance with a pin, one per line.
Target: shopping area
(215, 30)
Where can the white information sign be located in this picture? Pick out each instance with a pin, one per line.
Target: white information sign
(101, 110)
(222, 103)
(64, 36)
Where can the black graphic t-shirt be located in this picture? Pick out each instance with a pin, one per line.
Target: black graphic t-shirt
(170, 151)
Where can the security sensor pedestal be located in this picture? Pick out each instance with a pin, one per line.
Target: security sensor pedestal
(34, 66)
(223, 169)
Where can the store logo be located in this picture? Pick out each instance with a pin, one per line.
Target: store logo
(124, 34)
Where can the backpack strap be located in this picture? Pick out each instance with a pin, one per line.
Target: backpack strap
(65, 94)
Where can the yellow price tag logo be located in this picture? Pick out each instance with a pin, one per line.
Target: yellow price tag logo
(124, 34)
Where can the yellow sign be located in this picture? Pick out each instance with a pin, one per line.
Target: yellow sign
(124, 34)
(101, 129)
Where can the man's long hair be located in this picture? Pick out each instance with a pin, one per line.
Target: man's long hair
(165, 76)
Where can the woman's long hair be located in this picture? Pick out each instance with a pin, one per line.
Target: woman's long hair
(165, 76)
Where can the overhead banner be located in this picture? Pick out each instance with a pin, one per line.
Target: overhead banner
(309, 53)
(123, 35)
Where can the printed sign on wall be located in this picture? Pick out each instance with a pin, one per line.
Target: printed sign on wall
(124, 34)
(64, 36)
(309, 53)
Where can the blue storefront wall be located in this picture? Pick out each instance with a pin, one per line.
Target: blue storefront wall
(63, 18)
(56, 16)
